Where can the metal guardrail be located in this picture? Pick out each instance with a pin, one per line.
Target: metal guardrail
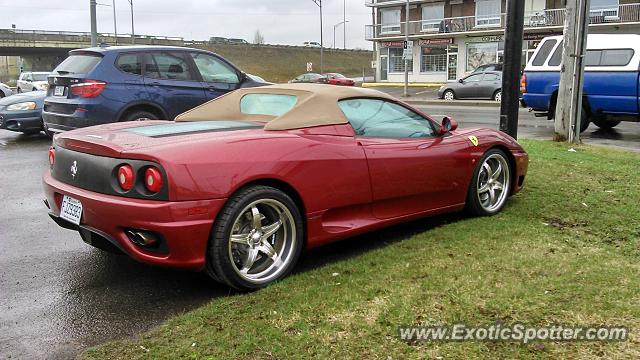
(623, 13)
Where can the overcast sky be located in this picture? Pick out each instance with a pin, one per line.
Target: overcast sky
(280, 21)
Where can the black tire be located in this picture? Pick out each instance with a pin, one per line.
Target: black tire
(139, 115)
(1, 94)
(474, 205)
(451, 92)
(497, 96)
(34, 89)
(220, 263)
(48, 133)
(19, 90)
(605, 124)
(585, 119)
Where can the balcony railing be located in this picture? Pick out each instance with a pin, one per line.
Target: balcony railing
(546, 18)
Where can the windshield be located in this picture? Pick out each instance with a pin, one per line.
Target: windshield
(78, 64)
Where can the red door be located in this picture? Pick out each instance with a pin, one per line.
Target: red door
(413, 176)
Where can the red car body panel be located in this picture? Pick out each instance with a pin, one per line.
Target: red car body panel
(345, 185)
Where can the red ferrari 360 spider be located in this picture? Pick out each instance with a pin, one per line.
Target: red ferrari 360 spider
(239, 186)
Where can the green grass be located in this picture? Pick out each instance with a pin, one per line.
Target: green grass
(565, 250)
(281, 64)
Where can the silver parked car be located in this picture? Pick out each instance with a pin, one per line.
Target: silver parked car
(32, 81)
(485, 85)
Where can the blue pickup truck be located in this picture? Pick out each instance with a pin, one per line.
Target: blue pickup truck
(611, 81)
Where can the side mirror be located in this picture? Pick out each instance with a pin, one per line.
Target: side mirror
(448, 124)
(461, 81)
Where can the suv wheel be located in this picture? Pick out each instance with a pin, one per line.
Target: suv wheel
(139, 115)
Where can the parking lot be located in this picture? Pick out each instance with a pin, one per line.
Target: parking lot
(60, 295)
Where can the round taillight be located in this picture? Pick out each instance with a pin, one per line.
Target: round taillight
(52, 156)
(153, 180)
(126, 177)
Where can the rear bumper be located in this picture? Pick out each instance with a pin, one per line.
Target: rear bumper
(184, 233)
(21, 120)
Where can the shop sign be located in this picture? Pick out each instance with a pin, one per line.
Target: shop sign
(386, 44)
(427, 42)
(486, 39)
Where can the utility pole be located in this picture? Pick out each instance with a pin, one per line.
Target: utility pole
(406, 50)
(115, 25)
(568, 115)
(94, 27)
(319, 3)
(510, 102)
(133, 33)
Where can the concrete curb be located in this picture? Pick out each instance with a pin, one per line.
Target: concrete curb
(476, 103)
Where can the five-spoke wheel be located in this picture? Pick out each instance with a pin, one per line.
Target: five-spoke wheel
(491, 184)
(256, 240)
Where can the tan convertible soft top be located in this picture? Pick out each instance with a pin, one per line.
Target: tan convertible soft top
(317, 105)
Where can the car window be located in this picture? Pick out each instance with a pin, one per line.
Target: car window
(267, 104)
(556, 58)
(213, 69)
(129, 63)
(167, 66)
(616, 57)
(78, 64)
(473, 78)
(379, 118)
(544, 52)
(491, 77)
(40, 77)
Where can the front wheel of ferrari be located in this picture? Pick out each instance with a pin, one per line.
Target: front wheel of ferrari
(490, 185)
(256, 239)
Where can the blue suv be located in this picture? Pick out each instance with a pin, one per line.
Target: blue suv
(123, 83)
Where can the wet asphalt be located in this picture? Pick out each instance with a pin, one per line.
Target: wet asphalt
(59, 296)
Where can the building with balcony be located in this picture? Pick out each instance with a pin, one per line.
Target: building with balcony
(450, 38)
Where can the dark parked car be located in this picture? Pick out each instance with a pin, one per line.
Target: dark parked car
(488, 67)
(22, 112)
(307, 78)
(123, 83)
(484, 85)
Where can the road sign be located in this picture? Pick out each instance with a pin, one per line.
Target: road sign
(374, 64)
(408, 51)
(309, 66)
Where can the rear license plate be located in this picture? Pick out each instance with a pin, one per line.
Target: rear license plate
(71, 210)
(58, 91)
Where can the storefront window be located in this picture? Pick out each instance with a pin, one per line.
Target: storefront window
(433, 59)
(480, 54)
(396, 62)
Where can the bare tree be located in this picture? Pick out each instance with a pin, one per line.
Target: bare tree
(258, 38)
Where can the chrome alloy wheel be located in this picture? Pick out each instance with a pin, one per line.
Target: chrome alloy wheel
(449, 95)
(262, 241)
(493, 183)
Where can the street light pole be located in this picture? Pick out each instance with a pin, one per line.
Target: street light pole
(133, 33)
(344, 21)
(319, 3)
(334, 31)
(115, 25)
(94, 26)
